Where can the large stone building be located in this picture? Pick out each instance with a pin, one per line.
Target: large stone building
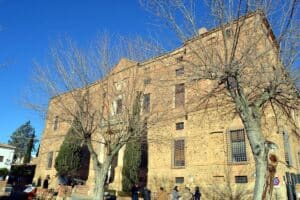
(192, 140)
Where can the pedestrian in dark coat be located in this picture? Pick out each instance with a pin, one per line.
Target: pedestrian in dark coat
(175, 193)
(146, 194)
(135, 192)
(197, 194)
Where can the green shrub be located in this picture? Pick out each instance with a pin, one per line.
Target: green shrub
(131, 165)
(3, 172)
(68, 160)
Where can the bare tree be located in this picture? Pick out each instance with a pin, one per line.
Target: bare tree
(224, 187)
(101, 103)
(248, 65)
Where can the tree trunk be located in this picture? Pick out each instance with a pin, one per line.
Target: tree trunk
(259, 150)
(260, 179)
(99, 186)
(101, 169)
(252, 122)
(100, 177)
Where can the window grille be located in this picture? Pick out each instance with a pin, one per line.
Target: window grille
(49, 160)
(179, 180)
(179, 125)
(287, 149)
(241, 179)
(147, 81)
(179, 71)
(119, 106)
(179, 95)
(299, 158)
(179, 157)
(146, 103)
(55, 124)
(237, 146)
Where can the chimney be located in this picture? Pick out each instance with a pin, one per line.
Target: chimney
(202, 30)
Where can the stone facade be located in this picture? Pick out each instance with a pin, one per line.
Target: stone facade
(207, 152)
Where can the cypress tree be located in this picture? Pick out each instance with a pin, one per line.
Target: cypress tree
(30, 146)
(132, 154)
(24, 140)
(68, 160)
(131, 165)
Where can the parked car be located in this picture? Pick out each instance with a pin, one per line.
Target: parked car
(108, 196)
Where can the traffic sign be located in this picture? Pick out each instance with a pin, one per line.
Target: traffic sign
(276, 181)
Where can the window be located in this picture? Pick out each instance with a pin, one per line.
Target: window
(179, 159)
(147, 69)
(241, 179)
(147, 81)
(211, 40)
(298, 178)
(228, 32)
(119, 106)
(1, 158)
(287, 149)
(146, 103)
(179, 71)
(179, 125)
(49, 160)
(237, 146)
(179, 95)
(179, 59)
(55, 124)
(118, 85)
(299, 158)
(179, 180)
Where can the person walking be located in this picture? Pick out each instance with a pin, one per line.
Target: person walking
(146, 193)
(175, 193)
(187, 195)
(135, 192)
(197, 194)
(162, 194)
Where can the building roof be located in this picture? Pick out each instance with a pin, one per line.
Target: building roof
(125, 63)
(7, 146)
(215, 29)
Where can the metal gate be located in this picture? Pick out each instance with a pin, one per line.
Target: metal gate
(291, 181)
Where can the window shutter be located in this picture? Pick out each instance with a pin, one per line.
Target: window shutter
(237, 146)
(146, 103)
(287, 149)
(179, 95)
(179, 155)
(55, 125)
(49, 160)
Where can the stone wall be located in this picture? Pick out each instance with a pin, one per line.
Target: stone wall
(207, 122)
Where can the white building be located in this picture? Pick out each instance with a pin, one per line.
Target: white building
(6, 155)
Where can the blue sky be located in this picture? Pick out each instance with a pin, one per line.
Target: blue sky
(28, 27)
